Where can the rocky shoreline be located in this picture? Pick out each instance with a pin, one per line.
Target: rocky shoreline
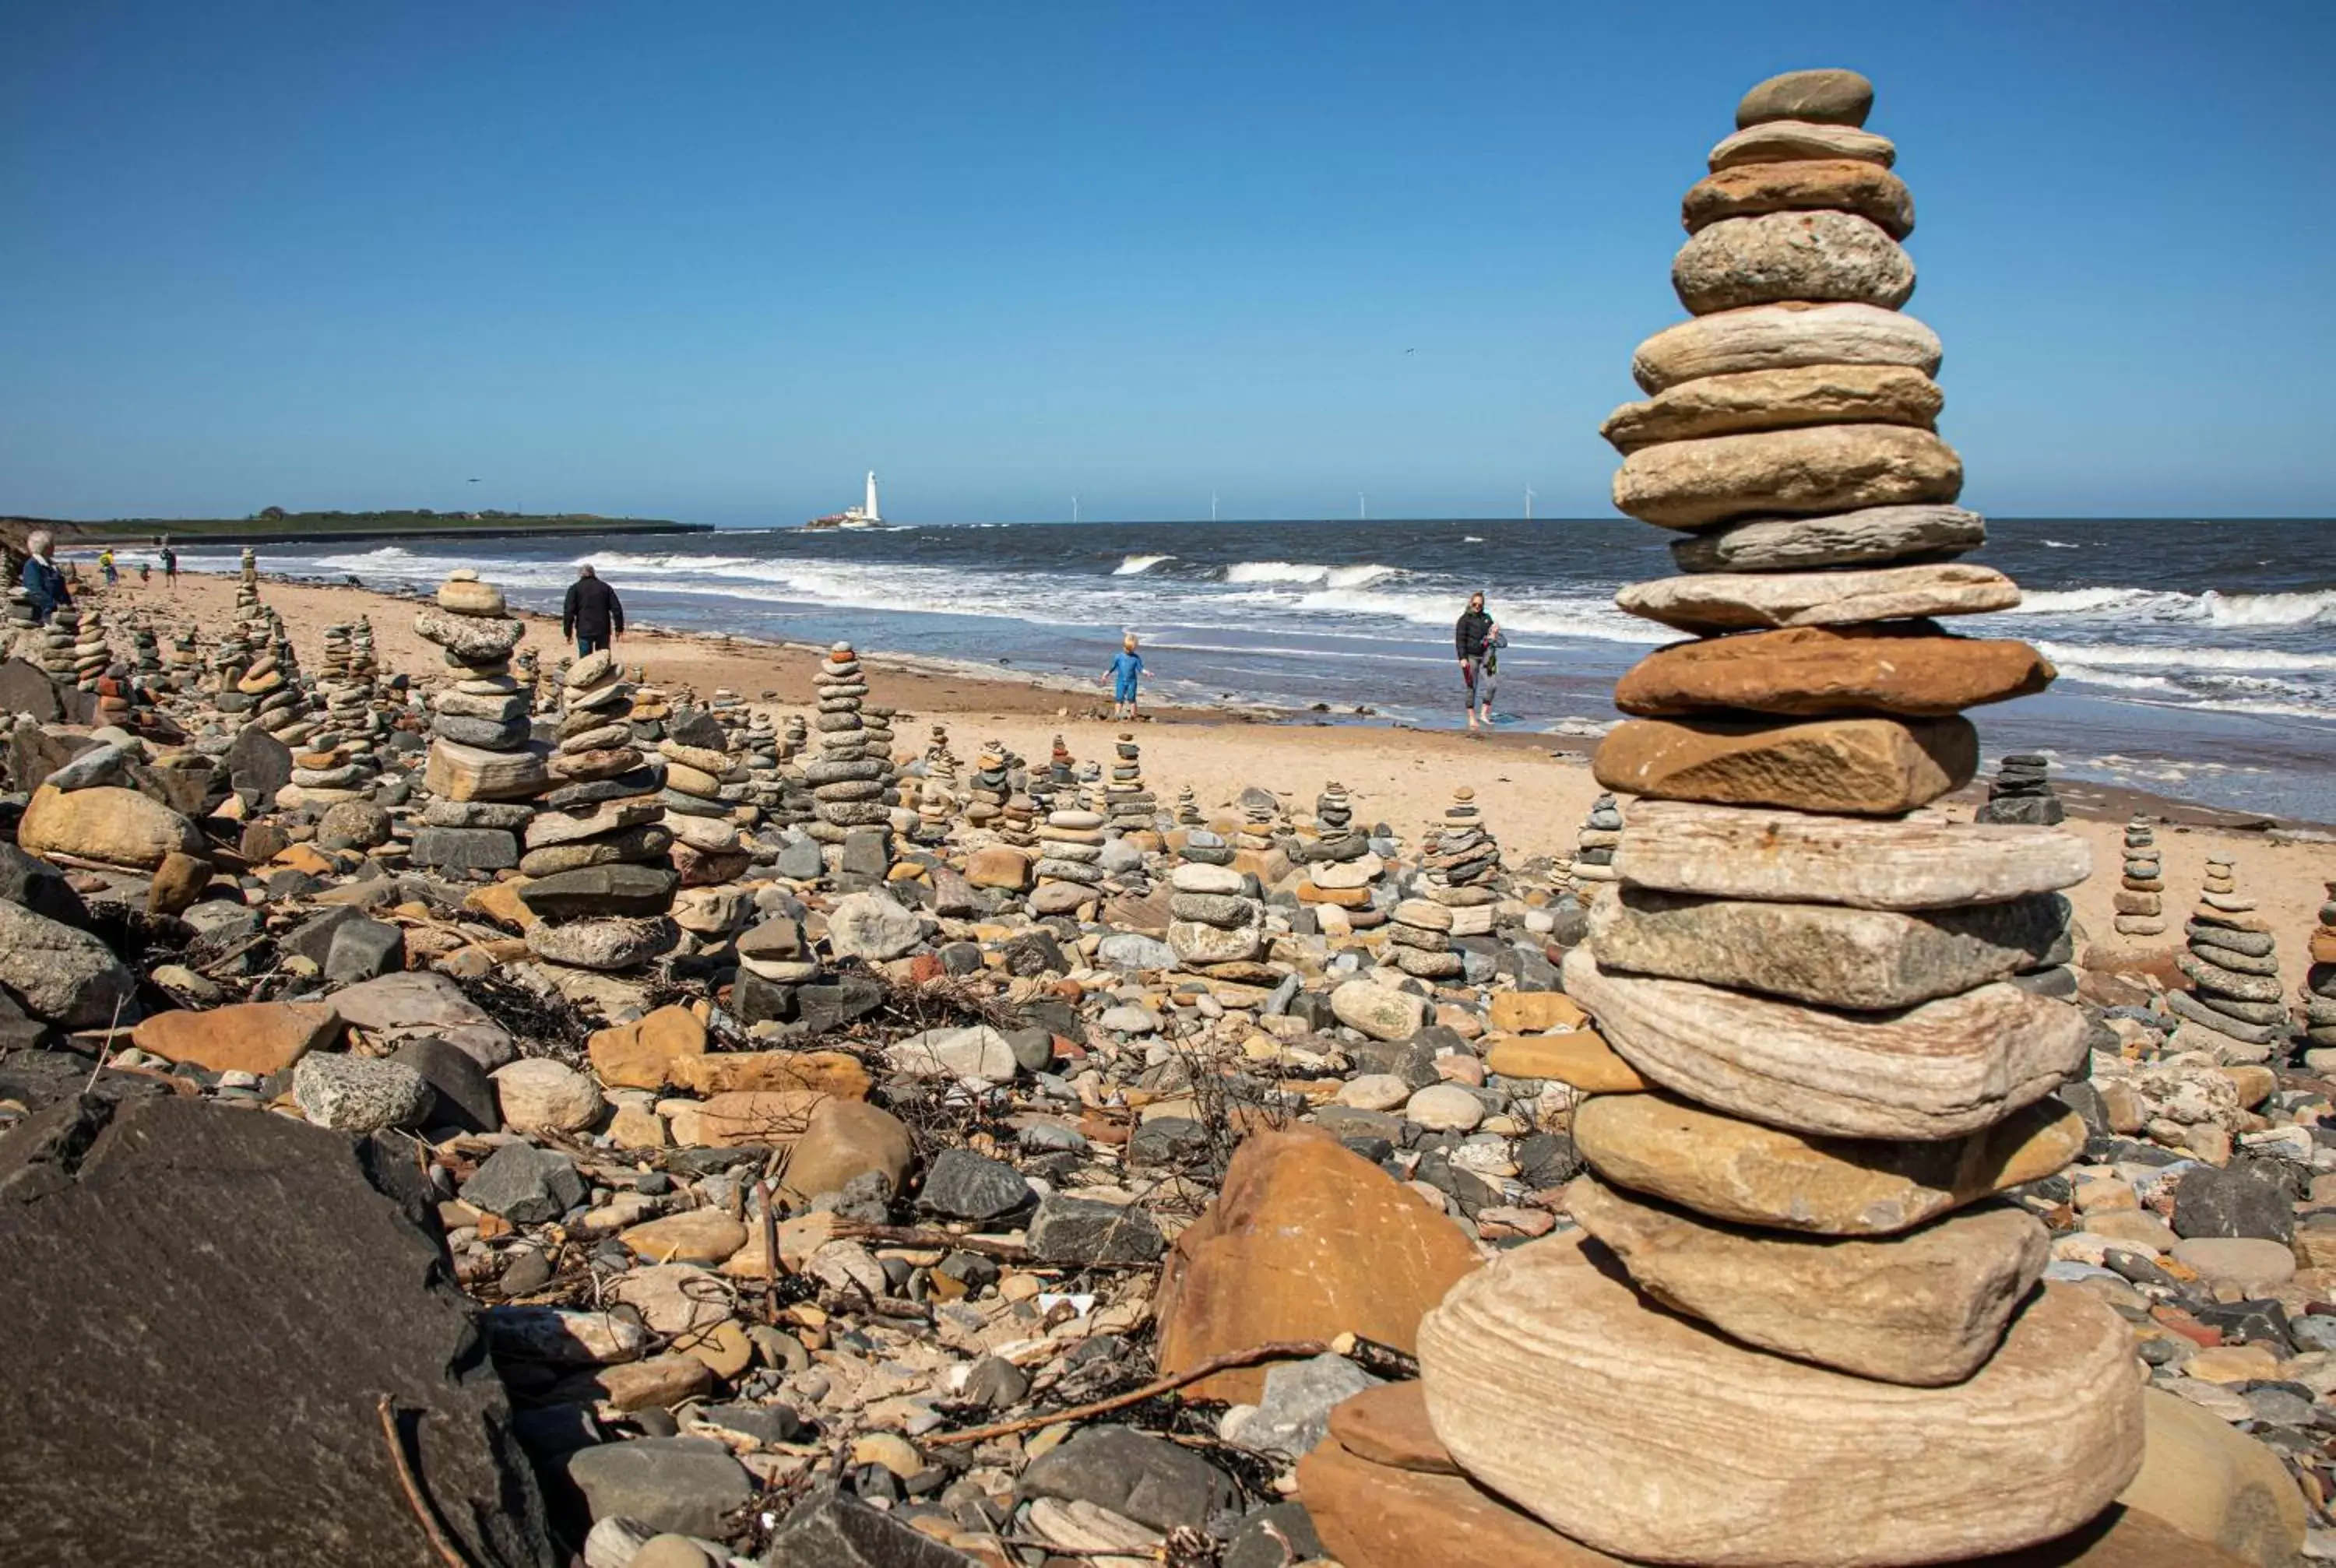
(466, 1107)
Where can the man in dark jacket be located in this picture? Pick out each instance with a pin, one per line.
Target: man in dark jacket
(1472, 637)
(43, 582)
(591, 615)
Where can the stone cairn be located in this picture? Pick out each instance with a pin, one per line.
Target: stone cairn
(2141, 889)
(1018, 820)
(1340, 868)
(1069, 845)
(22, 620)
(2021, 792)
(55, 653)
(1804, 969)
(848, 781)
(1188, 808)
(484, 768)
(990, 787)
(145, 651)
(878, 737)
(1128, 802)
(2236, 1008)
(1594, 847)
(2320, 981)
(364, 662)
(937, 791)
(1212, 918)
(90, 651)
(598, 849)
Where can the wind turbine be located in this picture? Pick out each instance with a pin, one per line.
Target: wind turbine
(1362, 506)
(1074, 506)
(1213, 506)
(1529, 500)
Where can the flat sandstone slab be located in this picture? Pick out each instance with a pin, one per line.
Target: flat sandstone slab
(1828, 954)
(1801, 185)
(1864, 766)
(1909, 669)
(1802, 857)
(1556, 1385)
(1817, 468)
(1937, 1070)
(1926, 1308)
(1775, 337)
(1739, 601)
(1781, 256)
(1750, 1174)
(1868, 536)
(1754, 400)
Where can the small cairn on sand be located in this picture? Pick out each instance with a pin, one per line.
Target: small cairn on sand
(707, 791)
(23, 621)
(1594, 846)
(484, 768)
(2236, 1007)
(2021, 792)
(2319, 989)
(991, 784)
(850, 778)
(90, 651)
(1070, 843)
(1340, 868)
(1128, 802)
(1819, 1074)
(1188, 808)
(2141, 886)
(55, 652)
(937, 790)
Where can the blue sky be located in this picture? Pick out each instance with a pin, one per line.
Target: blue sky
(713, 261)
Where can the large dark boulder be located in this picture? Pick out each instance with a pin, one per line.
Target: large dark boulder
(208, 1306)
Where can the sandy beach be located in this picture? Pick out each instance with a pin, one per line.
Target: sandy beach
(1533, 793)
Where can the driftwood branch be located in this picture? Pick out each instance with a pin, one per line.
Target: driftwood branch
(914, 1236)
(1277, 1350)
(448, 1552)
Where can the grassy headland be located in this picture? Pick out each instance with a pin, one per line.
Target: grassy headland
(274, 525)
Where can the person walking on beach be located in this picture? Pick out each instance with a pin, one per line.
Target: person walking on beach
(169, 566)
(592, 615)
(1125, 670)
(105, 564)
(44, 584)
(1476, 637)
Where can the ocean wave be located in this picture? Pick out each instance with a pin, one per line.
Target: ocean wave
(2213, 607)
(2060, 544)
(1302, 571)
(2269, 609)
(2089, 601)
(1137, 565)
(2145, 656)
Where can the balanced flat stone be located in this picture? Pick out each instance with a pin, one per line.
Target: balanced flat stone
(456, 772)
(1751, 1174)
(1799, 256)
(1909, 667)
(1790, 140)
(1642, 1433)
(1864, 766)
(1823, 468)
(1804, 185)
(1799, 394)
(1828, 954)
(1828, 96)
(1867, 537)
(1935, 1070)
(1775, 336)
(1924, 863)
(1926, 1308)
(1742, 601)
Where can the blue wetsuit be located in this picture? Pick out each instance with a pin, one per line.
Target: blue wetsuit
(1124, 672)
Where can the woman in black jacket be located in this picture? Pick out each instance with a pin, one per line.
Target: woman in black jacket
(1474, 637)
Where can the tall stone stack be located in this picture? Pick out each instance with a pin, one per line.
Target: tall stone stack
(1212, 920)
(91, 652)
(1017, 821)
(2320, 981)
(54, 654)
(849, 780)
(145, 651)
(2021, 792)
(1128, 802)
(485, 769)
(364, 659)
(1070, 844)
(1791, 1329)
(2141, 886)
(1340, 868)
(2235, 1007)
(878, 737)
(1594, 847)
(23, 621)
(990, 788)
(937, 790)
(1188, 808)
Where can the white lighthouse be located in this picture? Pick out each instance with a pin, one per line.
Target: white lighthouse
(873, 515)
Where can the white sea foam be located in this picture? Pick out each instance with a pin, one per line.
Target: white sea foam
(2213, 606)
(1137, 565)
(1302, 571)
(2060, 544)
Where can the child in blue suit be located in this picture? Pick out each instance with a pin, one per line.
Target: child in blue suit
(1125, 670)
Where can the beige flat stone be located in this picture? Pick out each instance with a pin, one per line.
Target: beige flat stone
(1750, 1174)
(1581, 1059)
(1820, 469)
(1755, 400)
(1777, 337)
(1828, 954)
(1639, 1432)
(1866, 766)
(1938, 1070)
(2218, 1485)
(1718, 602)
(1776, 256)
(1926, 1307)
(1923, 862)
(1869, 536)
(1789, 140)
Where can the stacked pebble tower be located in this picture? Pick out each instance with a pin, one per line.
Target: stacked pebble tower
(848, 781)
(1016, 821)
(1127, 801)
(1070, 843)
(2236, 1008)
(115, 694)
(598, 849)
(1259, 819)
(1340, 868)
(1462, 859)
(365, 660)
(937, 791)
(55, 655)
(2320, 981)
(2141, 889)
(878, 737)
(145, 651)
(91, 653)
(1594, 847)
(1212, 918)
(23, 622)
(1849, 1364)
(1188, 808)
(991, 785)
(706, 792)
(484, 768)
(185, 660)
(2021, 792)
